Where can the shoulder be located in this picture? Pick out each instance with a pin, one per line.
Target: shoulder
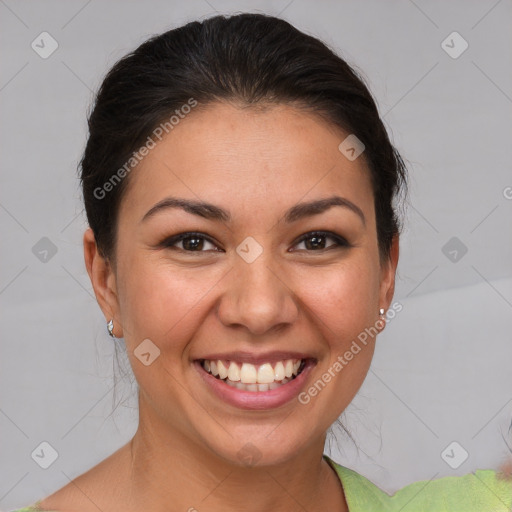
(38, 506)
(31, 508)
(483, 490)
(98, 481)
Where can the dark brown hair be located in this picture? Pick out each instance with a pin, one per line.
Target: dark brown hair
(248, 59)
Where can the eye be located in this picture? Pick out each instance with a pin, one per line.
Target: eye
(198, 242)
(316, 241)
(190, 242)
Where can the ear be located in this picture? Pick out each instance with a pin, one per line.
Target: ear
(103, 281)
(388, 273)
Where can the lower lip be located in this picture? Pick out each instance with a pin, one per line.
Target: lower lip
(256, 400)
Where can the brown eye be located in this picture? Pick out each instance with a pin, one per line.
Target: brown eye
(317, 241)
(190, 242)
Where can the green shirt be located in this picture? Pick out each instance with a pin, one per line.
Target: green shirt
(481, 491)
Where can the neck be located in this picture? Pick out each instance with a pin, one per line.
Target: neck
(167, 468)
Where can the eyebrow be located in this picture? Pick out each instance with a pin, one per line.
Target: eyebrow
(212, 212)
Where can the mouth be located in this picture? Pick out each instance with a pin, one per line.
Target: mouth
(257, 385)
(254, 378)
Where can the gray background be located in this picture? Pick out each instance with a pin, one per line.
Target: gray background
(441, 371)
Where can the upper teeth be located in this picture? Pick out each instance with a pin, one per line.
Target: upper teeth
(250, 374)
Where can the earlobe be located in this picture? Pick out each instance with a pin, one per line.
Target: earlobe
(102, 279)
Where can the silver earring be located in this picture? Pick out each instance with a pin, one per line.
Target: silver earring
(382, 322)
(110, 328)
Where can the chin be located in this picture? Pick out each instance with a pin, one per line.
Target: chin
(260, 450)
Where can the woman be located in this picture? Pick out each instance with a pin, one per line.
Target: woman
(240, 189)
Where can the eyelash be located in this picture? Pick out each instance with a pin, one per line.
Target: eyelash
(340, 242)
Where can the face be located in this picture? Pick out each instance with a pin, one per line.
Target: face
(255, 281)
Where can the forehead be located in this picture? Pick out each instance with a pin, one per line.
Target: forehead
(236, 157)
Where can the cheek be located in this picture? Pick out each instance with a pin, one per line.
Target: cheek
(342, 302)
(164, 305)
(161, 302)
(344, 298)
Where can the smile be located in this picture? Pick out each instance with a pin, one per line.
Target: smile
(254, 378)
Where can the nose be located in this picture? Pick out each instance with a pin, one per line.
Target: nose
(258, 298)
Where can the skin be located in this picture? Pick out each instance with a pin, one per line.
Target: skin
(256, 164)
